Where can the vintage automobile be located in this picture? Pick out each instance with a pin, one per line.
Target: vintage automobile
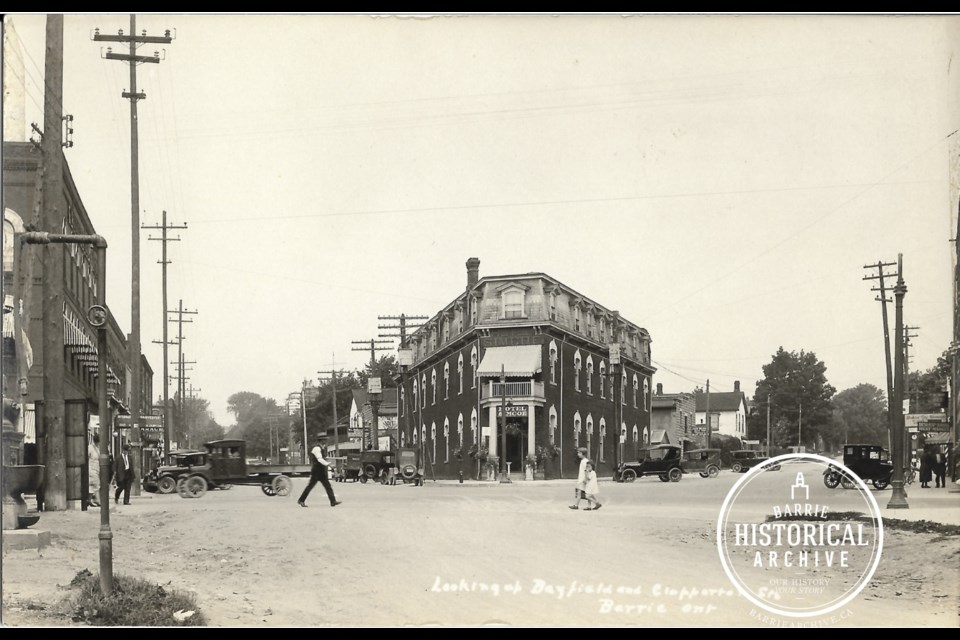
(164, 478)
(661, 460)
(705, 461)
(410, 466)
(745, 459)
(376, 465)
(871, 463)
(346, 467)
(226, 464)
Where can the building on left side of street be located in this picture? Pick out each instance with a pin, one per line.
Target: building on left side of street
(22, 165)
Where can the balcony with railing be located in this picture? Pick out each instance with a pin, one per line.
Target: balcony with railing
(522, 390)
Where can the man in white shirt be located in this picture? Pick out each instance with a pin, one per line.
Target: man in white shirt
(93, 469)
(318, 472)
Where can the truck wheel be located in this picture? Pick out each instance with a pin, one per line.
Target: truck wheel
(182, 487)
(167, 484)
(196, 486)
(675, 474)
(282, 485)
(713, 471)
(628, 475)
(267, 489)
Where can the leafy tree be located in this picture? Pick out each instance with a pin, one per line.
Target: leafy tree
(800, 398)
(320, 412)
(386, 368)
(206, 431)
(926, 388)
(860, 415)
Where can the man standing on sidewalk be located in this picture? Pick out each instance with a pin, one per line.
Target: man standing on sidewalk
(124, 476)
(318, 472)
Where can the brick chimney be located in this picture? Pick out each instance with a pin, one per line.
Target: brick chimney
(659, 388)
(736, 386)
(473, 272)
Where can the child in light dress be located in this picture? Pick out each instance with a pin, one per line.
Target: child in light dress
(592, 489)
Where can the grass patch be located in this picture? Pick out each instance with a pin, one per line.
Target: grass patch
(892, 524)
(133, 603)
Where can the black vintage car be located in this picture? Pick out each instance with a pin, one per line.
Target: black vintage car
(376, 465)
(410, 466)
(661, 460)
(743, 460)
(871, 463)
(164, 478)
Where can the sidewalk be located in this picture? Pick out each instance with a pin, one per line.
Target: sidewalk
(934, 505)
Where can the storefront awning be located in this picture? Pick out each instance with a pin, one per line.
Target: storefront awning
(521, 361)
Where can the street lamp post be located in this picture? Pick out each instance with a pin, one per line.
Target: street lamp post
(898, 497)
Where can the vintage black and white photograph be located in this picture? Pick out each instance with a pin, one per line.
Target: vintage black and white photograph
(480, 320)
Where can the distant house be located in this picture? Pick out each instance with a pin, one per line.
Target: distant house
(361, 416)
(728, 411)
(673, 420)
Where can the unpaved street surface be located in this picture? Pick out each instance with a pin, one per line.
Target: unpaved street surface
(455, 555)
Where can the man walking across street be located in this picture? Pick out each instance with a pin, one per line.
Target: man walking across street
(318, 472)
(124, 476)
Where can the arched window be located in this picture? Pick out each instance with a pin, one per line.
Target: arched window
(636, 389)
(553, 362)
(423, 396)
(589, 434)
(553, 425)
(473, 365)
(623, 388)
(636, 440)
(646, 436)
(433, 384)
(416, 439)
(446, 439)
(646, 394)
(576, 430)
(603, 379)
(589, 375)
(433, 438)
(603, 437)
(446, 380)
(460, 371)
(576, 370)
(460, 429)
(415, 392)
(423, 434)
(473, 425)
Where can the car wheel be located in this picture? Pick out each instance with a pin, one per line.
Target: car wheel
(281, 485)
(737, 467)
(363, 479)
(831, 479)
(847, 483)
(664, 477)
(675, 474)
(628, 475)
(880, 484)
(713, 471)
(167, 484)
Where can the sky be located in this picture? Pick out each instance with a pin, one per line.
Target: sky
(720, 180)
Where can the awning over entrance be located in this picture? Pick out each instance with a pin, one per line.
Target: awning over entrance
(659, 436)
(520, 361)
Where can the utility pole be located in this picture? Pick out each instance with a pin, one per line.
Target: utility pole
(906, 389)
(898, 499)
(707, 420)
(403, 323)
(883, 300)
(180, 311)
(504, 477)
(182, 378)
(371, 345)
(53, 212)
(166, 388)
(133, 349)
(333, 383)
(768, 424)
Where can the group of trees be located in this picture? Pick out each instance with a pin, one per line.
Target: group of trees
(805, 409)
(263, 424)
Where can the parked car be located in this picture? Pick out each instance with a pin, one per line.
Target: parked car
(871, 463)
(410, 465)
(705, 461)
(661, 460)
(164, 478)
(746, 459)
(376, 465)
(346, 467)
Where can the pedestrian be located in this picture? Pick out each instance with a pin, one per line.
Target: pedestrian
(318, 472)
(940, 468)
(926, 468)
(578, 491)
(592, 488)
(93, 471)
(124, 475)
